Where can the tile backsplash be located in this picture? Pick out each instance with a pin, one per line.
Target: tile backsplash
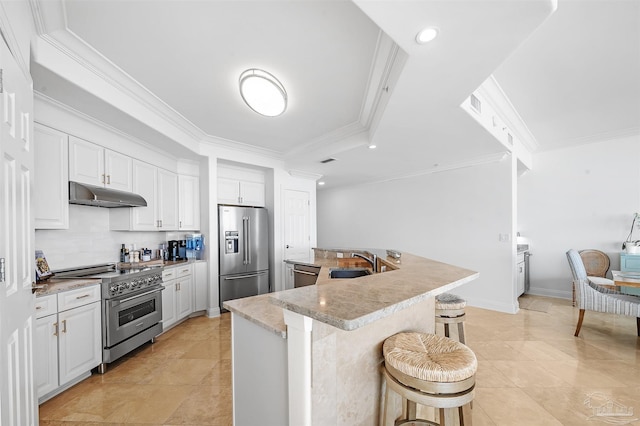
(89, 241)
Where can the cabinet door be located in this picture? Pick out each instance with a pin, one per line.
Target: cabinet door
(45, 354)
(169, 304)
(86, 162)
(51, 176)
(200, 285)
(184, 301)
(167, 200)
(288, 276)
(252, 194)
(144, 184)
(80, 341)
(189, 205)
(228, 191)
(520, 272)
(118, 170)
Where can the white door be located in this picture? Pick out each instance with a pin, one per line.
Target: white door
(144, 184)
(79, 341)
(167, 199)
(86, 162)
(17, 391)
(118, 169)
(296, 227)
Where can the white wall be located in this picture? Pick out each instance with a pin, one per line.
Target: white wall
(88, 241)
(582, 197)
(453, 216)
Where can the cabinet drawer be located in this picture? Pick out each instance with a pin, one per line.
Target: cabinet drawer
(630, 262)
(169, 274)
(46, 305)
(183, 271)
(79, 297)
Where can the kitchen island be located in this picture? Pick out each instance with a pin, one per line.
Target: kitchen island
(311, 355)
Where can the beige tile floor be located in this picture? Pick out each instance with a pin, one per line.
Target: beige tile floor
(532, 371)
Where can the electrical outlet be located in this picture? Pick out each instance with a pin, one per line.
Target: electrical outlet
(505, 238)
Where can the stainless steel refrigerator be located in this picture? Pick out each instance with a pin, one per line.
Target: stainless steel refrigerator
(243, 235)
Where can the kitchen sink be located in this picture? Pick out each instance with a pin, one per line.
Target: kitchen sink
(348, 272)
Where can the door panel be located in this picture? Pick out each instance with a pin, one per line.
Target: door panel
(296, 230)
(17, 392)
(258, 239)
(231, 240)
(244, 285)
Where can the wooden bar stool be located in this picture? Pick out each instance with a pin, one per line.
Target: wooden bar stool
(450, 310)
(429, 370)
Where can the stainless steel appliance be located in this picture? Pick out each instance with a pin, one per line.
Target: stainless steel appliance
(304, 275)
(243, 234)
(131, 307)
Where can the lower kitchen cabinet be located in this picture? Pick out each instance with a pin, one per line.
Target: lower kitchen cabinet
(177, 297)
(68, 339)
(520, 275)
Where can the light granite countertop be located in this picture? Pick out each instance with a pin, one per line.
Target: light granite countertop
(57, 285)
(349, 304)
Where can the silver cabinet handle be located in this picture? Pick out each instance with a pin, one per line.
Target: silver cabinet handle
(295, 271)
(64, 326)
(108, 179)
(83, 296)
(103, 179)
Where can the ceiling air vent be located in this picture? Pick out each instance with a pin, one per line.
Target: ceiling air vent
(328, 160)
(476, 104)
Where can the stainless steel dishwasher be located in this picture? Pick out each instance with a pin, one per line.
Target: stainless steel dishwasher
(304, 275)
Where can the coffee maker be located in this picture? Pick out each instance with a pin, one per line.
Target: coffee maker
(174, 250)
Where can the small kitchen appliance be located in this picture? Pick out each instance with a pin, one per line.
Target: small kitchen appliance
(195, 246)
(172, 249)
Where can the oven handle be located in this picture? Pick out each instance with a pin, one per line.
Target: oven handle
(158, 290)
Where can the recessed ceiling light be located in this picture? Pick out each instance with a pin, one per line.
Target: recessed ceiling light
(427, 35)
(321, 183)
(262, 92)
(372, 146)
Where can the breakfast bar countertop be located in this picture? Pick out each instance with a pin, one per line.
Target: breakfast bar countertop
(349, 304)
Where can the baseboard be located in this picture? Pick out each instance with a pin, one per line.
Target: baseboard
(550, 292)
(213, 312)
(493, 306)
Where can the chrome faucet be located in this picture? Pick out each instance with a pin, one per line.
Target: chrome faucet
(373, 261)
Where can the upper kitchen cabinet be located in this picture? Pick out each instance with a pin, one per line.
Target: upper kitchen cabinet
(189, 205)
(159, 188)
(241, 186)
(94, 165)
(51, 175)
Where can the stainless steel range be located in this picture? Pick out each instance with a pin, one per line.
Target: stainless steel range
(131, 307)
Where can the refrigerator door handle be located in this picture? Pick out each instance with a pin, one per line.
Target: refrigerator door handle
(245, 240)
(248, 236)
(240, 277)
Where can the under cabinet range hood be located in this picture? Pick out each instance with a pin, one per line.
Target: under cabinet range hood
(97, 196)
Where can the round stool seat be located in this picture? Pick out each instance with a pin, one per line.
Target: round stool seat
(448, 301)
(429, 357)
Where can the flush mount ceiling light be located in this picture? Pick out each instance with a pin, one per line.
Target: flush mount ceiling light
(372, 146)
(427, 35)
(262, 92)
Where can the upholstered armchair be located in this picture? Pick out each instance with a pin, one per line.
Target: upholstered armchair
(591, 296)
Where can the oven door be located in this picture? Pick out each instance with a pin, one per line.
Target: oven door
(128, 315)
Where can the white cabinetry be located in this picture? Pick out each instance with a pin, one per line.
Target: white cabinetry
(51, 176)
(177, 297)
(159, 188)
(189, 205)
(288, 276)
(520, 274)
(94, 165)
(241, 186)
(68, 338)
(200, 285)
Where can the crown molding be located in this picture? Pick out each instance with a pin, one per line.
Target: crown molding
(94, 121)
(478, 161)
(215, 141)
(491, 91)
(602, 137)
(305, 175)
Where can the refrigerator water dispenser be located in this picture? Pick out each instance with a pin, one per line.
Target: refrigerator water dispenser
(231, 242)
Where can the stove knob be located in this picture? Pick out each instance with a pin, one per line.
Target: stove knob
(113, 289)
